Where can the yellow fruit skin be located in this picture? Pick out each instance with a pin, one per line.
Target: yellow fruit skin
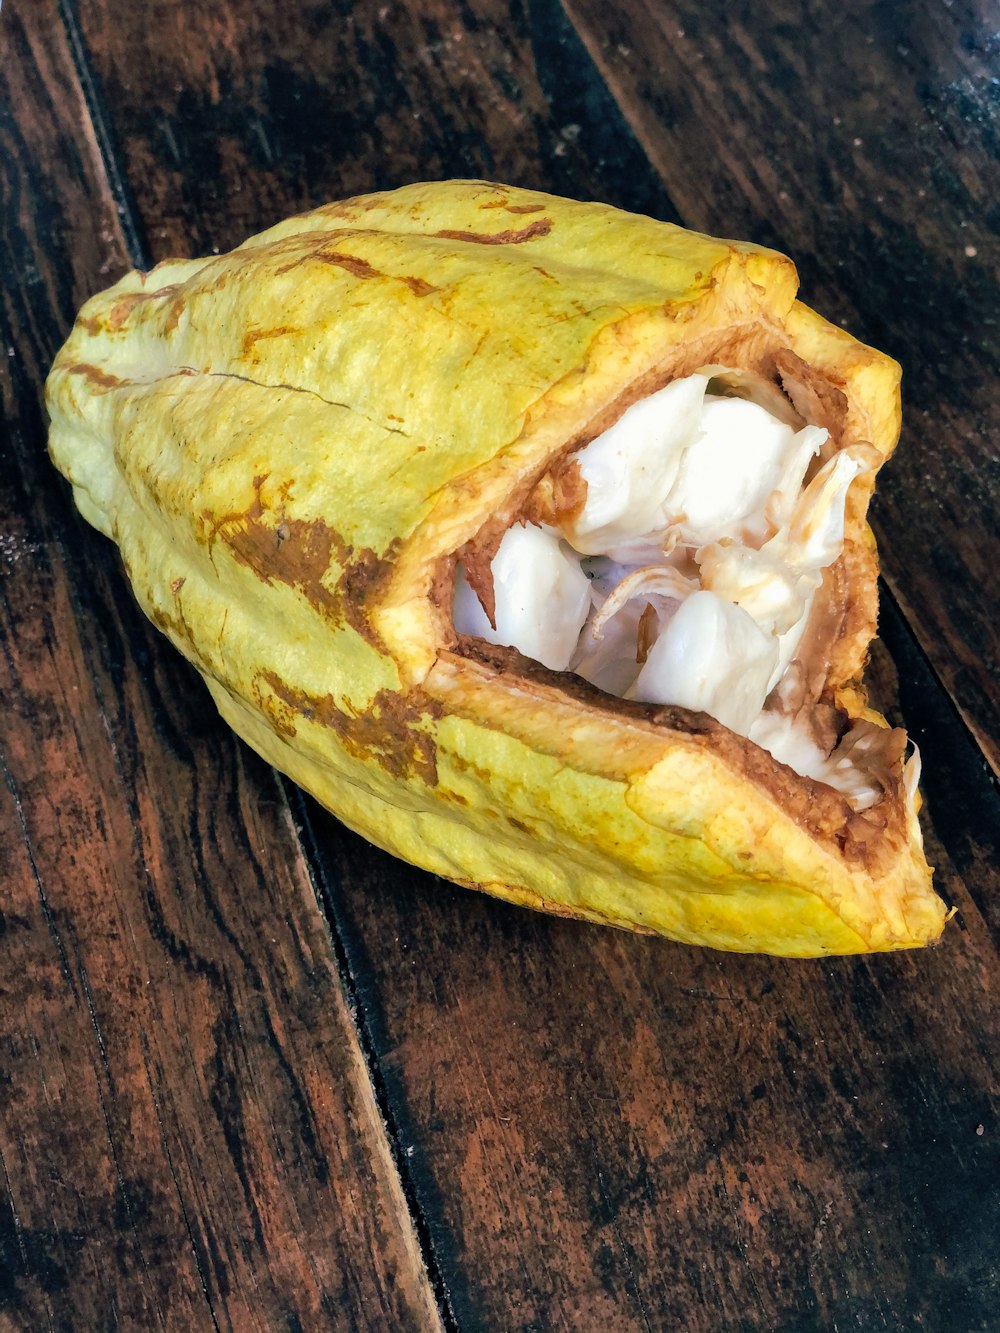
(286, 442)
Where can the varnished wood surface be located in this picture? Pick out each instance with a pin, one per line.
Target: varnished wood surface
(253, 1073)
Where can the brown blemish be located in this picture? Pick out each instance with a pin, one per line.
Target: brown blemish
(514, 208)
(176, 585)
(176, 627)
(254, 336)
(646, 635)
(560, 495)
(174, 314)
(124, 306)
(386, 731)
(102, 380)
(540, 228)
(361, 268)
(121, 310)
(814, 396)
(298, 553)
(363, 576)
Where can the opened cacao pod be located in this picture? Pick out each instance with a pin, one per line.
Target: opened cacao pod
(529, 536)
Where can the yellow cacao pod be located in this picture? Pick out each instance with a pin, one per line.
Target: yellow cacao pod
(289, 444)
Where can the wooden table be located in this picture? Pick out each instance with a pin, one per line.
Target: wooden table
(255, 1074)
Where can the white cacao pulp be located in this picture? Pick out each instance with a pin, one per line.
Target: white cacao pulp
(688, 575)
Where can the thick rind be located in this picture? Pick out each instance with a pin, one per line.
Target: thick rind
(287, 441)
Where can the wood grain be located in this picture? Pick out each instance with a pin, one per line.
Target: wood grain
(863, 140)
(230, 117)
(626, 1132)
(188, 1134)
(602, 1131)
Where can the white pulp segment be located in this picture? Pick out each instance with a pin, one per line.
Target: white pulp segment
(767, 588)
(742, 458)
(805, 445)
(630, 469)
(776, 594)
(646, 582)
(911, 776)
(696, 507)
(609, 662)
(790, 743)
(712, 657)
(911, 781)
(815, 535)
(788, 643)
(542, 598)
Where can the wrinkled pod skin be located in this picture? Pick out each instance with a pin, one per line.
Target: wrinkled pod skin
(290, 442)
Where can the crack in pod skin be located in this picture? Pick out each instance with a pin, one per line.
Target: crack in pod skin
(290, 505)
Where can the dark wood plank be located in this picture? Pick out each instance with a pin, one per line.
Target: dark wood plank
(640, 1135)
(863, 140)
(230, 118)
(599, 1130)
(188, 1134)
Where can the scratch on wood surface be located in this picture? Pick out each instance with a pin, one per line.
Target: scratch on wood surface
(112, 1144)
(622, 1249)
(165, 1145)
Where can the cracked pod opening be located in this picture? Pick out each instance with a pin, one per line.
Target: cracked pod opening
(691, 555)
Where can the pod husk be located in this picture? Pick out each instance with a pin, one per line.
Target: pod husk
(290, 442)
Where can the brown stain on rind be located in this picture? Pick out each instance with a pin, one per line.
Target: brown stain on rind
(298, 553)
(363, 575)
(386, 731)
(177, 308)
(361, 268)
(559, 496)
(419, 287)
(254, 336)
(124, 306)
(813, 395)
(514, 208)
(178, 630)
(540, 228)
(101, 380)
